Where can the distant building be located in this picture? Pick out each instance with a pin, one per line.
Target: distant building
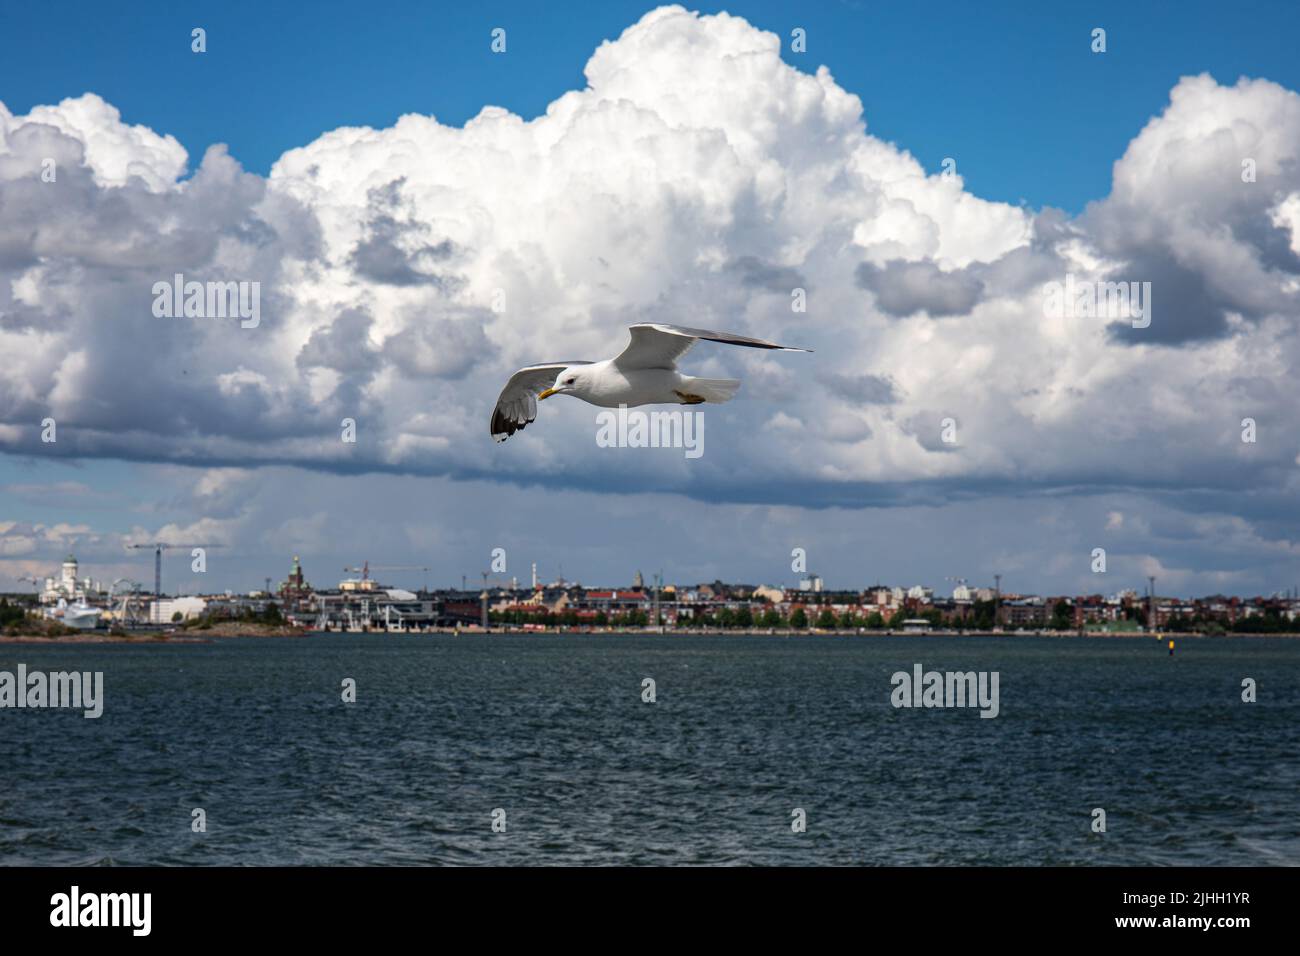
(613, 602)
(295, 590)
(165, 611)
(358, 584)
(66, 586)
(1025, 613)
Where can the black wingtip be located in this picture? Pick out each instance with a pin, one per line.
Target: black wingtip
(502, 427)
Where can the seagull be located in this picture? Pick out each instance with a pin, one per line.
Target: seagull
(644, 374)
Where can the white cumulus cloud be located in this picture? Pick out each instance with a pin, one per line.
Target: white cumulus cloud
(697, 179)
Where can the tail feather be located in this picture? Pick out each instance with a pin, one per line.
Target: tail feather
(712, 389)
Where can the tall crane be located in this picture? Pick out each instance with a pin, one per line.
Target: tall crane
(424, 586)
(366, 568)
(364, 571)
(493, 579)
(158, 548)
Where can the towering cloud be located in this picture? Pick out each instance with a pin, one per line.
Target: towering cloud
(698, 178)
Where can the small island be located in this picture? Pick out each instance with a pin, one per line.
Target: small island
(268, 622)
(20, 625)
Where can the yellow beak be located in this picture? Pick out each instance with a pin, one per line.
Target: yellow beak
(546, 394)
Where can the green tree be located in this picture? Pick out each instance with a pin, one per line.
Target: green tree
(1062, 616)
(10, 613)
(798, 620)
(826, 619)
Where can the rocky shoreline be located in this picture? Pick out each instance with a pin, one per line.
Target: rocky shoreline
(244, 629)
(101, 637)
(55, 633)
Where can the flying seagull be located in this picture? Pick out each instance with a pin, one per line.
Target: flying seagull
(644, 374)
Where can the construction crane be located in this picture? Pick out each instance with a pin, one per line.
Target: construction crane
(424, 586)
(365, 570)
(158, 548)
(495, 580)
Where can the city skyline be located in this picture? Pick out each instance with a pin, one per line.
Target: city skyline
(950, 422)
(413, 578)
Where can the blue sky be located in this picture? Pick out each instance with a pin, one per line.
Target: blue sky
(942, 79)
(925, 296)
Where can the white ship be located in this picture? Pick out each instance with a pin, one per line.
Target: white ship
(79, 615)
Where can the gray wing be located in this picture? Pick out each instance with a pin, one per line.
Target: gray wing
(517, 403)
(655, 345)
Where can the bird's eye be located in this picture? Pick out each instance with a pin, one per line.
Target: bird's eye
(570, 381)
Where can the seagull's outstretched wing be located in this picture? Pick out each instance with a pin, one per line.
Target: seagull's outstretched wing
(517, 403)
(660, 346)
